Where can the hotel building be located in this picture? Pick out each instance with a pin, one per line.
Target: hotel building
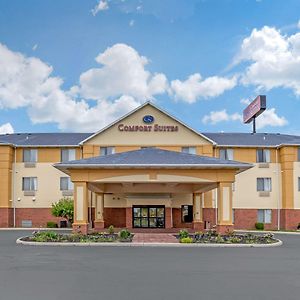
(150, 170)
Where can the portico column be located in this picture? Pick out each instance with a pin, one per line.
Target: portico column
(80, 224)
(224, 207)
(99, 211)
(197, 212)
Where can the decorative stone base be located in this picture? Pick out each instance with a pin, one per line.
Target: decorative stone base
(82, 228)
(222, 229)
(198, 226)
(98, 225)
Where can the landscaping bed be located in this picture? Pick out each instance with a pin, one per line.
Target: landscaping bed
(96, 237)
(212, 237)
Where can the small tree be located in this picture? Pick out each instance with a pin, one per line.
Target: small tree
(64, 208)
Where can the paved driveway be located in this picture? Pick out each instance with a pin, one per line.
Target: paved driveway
(42, 273)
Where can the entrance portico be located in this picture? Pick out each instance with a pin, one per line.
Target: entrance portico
(147, 181)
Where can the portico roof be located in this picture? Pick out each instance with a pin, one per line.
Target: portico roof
(153, 158)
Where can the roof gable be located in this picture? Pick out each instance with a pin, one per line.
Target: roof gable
(132, 129)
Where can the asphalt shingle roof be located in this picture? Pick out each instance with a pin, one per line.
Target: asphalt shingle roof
(44, 139)
(221, 139)
(250, 139)
(154, 157)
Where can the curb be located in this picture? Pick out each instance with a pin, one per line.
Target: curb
(35, 229)
(269, 231)
(176, 245)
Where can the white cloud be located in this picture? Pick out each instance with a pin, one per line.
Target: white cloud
(118, 86)
(245, 101)
(215, 117)
(274, 59)
(267, 118)
(195, 87)
(6, 128)
(298, 24)
(131, 23)
(21, 78)
(122, 72)
(270, 118)
(101, 5)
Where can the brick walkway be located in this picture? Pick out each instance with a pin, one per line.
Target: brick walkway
(154, 238)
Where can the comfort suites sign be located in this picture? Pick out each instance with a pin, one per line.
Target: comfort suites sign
(149, 126)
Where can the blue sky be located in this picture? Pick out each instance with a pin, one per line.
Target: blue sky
(78, 65)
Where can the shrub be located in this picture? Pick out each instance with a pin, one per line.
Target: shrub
(259, 226)
(219, 239)
(64, 208)
(124, 234)
(298, 227)
(111, 229)
(186, 240)
(51, 224)
(183, 234)
(45, 236)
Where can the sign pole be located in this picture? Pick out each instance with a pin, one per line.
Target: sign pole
(254, 125)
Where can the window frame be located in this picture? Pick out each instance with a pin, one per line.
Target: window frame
(225, 153)
(31, 184)
(70, 185)
(105, 149)
(266, 215)
(68, 151)
(188, 148)
(263, 184)
(31, 151)
(266, 158)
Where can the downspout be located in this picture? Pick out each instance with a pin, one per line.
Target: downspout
(13, 187)
(216, 206)
(279, 190)
(216, 192)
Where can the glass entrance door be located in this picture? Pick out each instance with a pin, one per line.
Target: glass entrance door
(148, 216)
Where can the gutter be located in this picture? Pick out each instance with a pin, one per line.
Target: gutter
(138, 166)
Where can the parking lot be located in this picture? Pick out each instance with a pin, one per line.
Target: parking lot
(35, 273)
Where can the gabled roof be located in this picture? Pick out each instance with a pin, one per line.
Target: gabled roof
(137, 109)
(256, 139)
(43, 139)
(153, 158)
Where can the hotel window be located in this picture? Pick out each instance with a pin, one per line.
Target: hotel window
(233, 216)
(187, 213)
(226, 154)
(264, 184)
(299, 154)
(299, 184)
(68, 155)
(107, 150)
(30, 155)
(66, 184)
(190, 150)
(29, 184)
(264, 216)
(263, 155)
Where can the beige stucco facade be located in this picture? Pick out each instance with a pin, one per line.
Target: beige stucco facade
(173, 188)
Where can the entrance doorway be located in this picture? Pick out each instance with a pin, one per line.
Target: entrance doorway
(148, 216)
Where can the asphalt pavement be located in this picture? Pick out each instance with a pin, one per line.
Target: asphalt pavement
(50, 273)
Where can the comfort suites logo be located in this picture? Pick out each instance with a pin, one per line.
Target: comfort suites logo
(148, 119)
